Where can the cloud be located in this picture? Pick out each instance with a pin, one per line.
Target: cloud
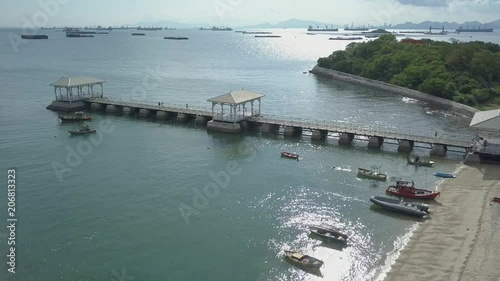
(425, 3)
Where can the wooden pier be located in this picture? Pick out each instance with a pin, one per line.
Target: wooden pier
(291, 126)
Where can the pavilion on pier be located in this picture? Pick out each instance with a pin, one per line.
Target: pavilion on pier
(70, 92)
(239, 105)
(235, 108)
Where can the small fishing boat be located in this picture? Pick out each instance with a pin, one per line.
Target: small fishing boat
(417, 210)
(83, 131)
(328, 234)
(418, 162)
(300, 259)
(445, 175)
(138, 34)
(176, 38)
(290, 155)
(496, 199)
(404, 189)
(374, 173)
(77, 117)
(267, 36)
(346, 38)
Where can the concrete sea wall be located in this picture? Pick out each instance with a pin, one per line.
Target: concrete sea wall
(386, 87)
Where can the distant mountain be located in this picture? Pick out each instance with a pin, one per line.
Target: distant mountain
(447, 25)
(297, 23)
(291, 23)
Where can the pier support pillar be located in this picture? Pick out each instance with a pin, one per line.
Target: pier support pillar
(269, 128)
(96, 107)
(128, 110)
(144, 112)
(439, 150)
(244, 125)
(319, 134)
(181, 117)
(223, 127)
(375, 142)
(292, 131)
(346, 138)
(111, 108)
(472, 158)
(201, 120)
(405, 146)
(161, 114)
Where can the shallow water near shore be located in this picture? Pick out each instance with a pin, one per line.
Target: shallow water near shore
(118, 210)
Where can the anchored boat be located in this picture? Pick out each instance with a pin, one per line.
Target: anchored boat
(300, 259)
(329, 234)
(83, 131)
(417, 210)
(374, 173)
(289, 155)
(404, 189)
(416, 161)
(445, 175)
(77, 117)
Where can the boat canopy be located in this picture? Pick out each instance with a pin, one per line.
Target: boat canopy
(486, 120)
(297, 256)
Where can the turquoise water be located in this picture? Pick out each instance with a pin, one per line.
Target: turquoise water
(118, 209)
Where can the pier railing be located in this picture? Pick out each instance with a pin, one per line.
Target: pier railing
(147, 104)
(360, 130)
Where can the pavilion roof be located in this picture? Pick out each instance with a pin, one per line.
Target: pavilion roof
(236, 97)
(76, 81)
(486, 119)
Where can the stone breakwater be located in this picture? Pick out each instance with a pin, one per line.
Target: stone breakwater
(386, 87)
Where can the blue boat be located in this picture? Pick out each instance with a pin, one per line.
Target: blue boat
(445, 175)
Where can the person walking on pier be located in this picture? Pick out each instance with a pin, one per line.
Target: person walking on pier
(436, 134)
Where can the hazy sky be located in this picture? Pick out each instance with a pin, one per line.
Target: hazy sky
(244, 12)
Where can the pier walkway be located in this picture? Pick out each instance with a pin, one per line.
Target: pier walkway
(292, 126)
(360, 130)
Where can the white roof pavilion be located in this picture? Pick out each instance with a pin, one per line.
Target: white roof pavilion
(237, 101)
(237, 97)
(84, 88)
(76, 81)
(487, 120)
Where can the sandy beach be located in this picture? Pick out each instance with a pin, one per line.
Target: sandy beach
(460, 241)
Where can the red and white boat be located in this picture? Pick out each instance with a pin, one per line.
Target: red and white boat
(290, 155)
(404, 189)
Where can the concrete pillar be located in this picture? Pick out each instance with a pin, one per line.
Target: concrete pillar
(201, 120)
(439, 150)
(346, 138)
(144, 112)
(269, 128)
(128, 110)
(319, 134)
(292, 131)
(223, 127)
(181, 117)
(375, 142)
(96, 107)
(405, 146)
(244, 125)
(472, 158)
(111, 108)
(161, 114)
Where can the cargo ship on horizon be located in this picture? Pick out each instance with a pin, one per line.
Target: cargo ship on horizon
(311, 28)
(358, 28)
(479, 29)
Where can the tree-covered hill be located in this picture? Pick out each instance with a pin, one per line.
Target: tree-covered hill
(467, 73)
